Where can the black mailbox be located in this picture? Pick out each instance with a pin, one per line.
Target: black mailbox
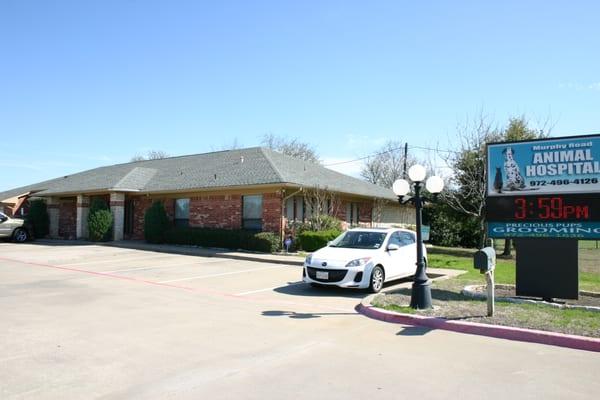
(485, 260)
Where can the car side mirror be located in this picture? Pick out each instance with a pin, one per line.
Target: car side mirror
(3, 219)
(329, 242)
(392, 247)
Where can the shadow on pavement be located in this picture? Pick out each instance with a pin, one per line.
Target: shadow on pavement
(295, 315)
(309, 291)
(414, 331)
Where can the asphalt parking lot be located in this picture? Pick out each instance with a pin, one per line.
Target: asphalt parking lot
(91, 321)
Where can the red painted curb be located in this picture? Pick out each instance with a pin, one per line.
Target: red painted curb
(474, 328)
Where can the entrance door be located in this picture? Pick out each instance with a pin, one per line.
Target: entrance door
(128, 228)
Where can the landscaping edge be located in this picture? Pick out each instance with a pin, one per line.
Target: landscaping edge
(475, 328)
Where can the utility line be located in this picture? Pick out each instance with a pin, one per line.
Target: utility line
(389, 151)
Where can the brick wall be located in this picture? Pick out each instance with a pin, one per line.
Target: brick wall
(365, 214)
(272, 209)
(140, 205)
(212, 211)
(67, 218)
(216, 211)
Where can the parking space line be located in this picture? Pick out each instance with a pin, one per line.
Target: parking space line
(203, 290)
(109, 261)
(221, 274)
(200, 263)
(267, 289)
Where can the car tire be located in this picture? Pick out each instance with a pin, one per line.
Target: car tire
(20, 235)
(376, 280)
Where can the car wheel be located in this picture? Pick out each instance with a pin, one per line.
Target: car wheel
(377, 278)
(20, 235)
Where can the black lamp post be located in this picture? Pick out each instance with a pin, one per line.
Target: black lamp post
(421, 288)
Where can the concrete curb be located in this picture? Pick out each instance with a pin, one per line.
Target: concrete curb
(474, 328)
(208, 252)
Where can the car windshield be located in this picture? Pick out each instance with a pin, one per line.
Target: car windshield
(359, 240)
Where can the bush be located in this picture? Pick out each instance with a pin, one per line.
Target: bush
(156, 223)
(314, 240)
(100, 220)
(38, 218)
(99, 225)
(450, 228)
(321, 223)
(230, 239)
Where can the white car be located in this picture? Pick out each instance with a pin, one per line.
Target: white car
(363, 258)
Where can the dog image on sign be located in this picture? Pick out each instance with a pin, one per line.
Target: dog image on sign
(514, 180)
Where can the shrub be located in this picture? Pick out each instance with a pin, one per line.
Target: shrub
(100, 220)
(322, 222)
(99, 225)
(156, 223)
(230, 239)
(314, 240)
(38, 218)
(98, 204)
(266, 241)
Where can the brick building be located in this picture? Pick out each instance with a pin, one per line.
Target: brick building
(254, 188)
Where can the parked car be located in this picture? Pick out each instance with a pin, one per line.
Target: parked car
(13, 228)
(363, 259)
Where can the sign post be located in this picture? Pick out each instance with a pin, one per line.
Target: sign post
(485, 261)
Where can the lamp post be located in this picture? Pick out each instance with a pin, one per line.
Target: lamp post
(421, 290)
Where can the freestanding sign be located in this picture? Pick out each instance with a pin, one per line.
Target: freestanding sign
(545, 194)
(548, 188)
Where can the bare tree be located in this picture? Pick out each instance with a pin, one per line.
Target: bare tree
(467, 190)
(151, 155)
(291, 147)
(467, 187)
(321, 202)
(378, 206)
(235, 144)
(387, 165)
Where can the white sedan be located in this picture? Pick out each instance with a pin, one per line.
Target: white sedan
(363, 258)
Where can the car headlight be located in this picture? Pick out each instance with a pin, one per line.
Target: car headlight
(359, 262)
(308, 259)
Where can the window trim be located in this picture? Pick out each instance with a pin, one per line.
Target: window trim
(252, 221)
(181, 221)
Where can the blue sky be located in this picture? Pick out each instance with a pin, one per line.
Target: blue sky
(85, 83)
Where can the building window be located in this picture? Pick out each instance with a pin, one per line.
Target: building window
(352, 213)
(182, 212)
(252, 207)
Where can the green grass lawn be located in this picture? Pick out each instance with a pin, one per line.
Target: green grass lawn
(454, 258)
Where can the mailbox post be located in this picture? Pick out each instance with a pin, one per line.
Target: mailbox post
(485, 261)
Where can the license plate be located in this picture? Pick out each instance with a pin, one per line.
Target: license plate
(322, 275)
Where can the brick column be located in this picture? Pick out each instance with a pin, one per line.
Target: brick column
(52, 205)
(83, 210)
(117, 208)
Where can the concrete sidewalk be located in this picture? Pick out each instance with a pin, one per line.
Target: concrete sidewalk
(209, 252)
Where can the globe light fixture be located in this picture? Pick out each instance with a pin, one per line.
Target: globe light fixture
(401, 187)
(421, 288)
(434, 184)
(417, 173)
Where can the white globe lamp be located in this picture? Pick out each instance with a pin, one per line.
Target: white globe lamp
(417, 173)
(401, 187)
(434, 184)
